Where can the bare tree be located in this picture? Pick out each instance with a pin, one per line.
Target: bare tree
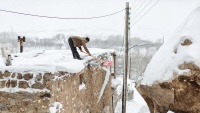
(59, 40)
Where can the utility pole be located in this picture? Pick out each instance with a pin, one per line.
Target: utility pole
(126, 60)
(130, 68)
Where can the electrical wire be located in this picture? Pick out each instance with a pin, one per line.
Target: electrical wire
(133, 3)
(27, 14)
(135, 6)
(138, 8)
(145, 13)
(141, 10)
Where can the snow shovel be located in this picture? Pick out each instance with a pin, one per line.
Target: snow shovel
(91, 63)
(87, 53)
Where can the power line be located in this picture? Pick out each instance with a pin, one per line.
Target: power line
(27, 14)
(135, 6)
(133, 3)
(145, 13)
(142, 10)
(138, 7)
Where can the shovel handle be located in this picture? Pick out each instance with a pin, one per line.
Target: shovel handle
(84, 52)
(87, 53)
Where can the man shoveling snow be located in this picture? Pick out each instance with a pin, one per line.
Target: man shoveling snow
(75, 41)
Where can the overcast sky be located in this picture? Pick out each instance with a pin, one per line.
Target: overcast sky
(161, 20)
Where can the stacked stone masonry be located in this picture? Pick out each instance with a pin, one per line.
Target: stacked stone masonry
(37, 93)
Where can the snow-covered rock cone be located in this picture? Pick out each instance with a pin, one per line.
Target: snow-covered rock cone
(172, 78)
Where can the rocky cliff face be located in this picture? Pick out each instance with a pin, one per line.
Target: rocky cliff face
(181, 95)
(172, 78)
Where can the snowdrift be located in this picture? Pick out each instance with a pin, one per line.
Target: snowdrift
(175, 52)
(171, 81)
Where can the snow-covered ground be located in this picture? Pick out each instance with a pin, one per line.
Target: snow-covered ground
(171, 54)
(137, 105)
(50, 61)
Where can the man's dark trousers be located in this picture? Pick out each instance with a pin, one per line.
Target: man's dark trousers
(73, 49)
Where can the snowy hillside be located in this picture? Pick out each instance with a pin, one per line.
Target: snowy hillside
(173, 53)
(50, 61)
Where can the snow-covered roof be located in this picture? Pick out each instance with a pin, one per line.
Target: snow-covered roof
(171, 54)
(39, 61)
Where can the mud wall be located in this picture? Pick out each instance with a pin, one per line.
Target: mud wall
(59, 92)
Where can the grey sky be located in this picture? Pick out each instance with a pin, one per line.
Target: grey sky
(162, 20)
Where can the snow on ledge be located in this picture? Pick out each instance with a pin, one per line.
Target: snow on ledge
(82, 86)
(50, 61)
(56, 107)
(29, 90)
(104, 83)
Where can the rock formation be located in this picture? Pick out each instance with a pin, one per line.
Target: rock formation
(172, 78)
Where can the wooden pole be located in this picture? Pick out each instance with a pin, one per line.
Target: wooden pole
(114, 57)
(126, 60)
(21, 46)
(21, 40)
(130, 69)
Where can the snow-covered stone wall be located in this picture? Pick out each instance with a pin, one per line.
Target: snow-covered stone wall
(59, 92)
(51, 81)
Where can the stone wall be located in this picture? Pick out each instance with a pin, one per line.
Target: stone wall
(59, 92)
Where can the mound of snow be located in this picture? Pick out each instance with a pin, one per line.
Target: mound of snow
(171, 54)
(50, 61)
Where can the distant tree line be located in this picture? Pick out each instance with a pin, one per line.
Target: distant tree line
(140, 55)
(10, 40)
(59, 41)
